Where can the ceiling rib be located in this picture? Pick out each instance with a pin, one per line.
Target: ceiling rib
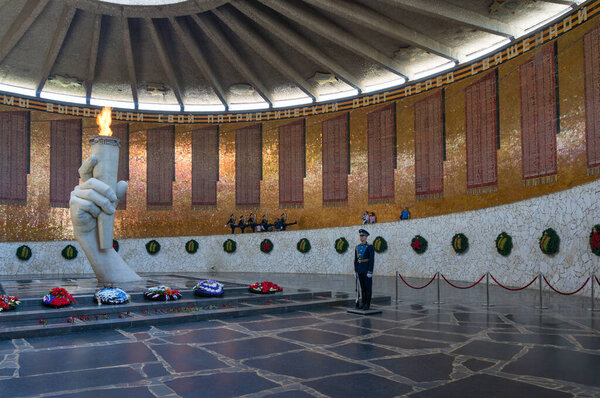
(200, 61)
(563, 2)
(384, 25)
(129, 58)
(296, 41)
(232, 55)
(58, 39)
(443, 10)
(331, 32)
(164, 60)
(91, 72)
(266, 51)
(30, 11)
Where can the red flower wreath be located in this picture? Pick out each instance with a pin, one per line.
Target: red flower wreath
(265, 287)
(266, 246)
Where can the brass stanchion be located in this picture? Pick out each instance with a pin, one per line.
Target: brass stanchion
(541, 306)
(487, 291)
(439, 301)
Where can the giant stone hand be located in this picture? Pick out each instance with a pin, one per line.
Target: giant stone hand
(88, 200)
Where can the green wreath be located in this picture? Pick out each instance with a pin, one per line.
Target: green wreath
(116, 245)
(380, 244)
(341, 245)
(504, 243)
(266, 246)
(460, 243)
(24, 253)
(595, 240)
(191, 246)
(229, 246)
(152, 247)
(69, 252)
(419, 244)
(303, 245)
(549, 242)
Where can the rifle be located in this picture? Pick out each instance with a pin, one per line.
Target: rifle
(357, 303)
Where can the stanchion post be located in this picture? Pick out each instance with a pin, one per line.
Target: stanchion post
(487, 291)
(439, 301)
(540, 280)
(593, 307)
(397, 272)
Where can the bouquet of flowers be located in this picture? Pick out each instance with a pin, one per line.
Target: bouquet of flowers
(208, 288)
(58, 297)
(264, 288)
(162, 293)
(8, 303)
(111, 295)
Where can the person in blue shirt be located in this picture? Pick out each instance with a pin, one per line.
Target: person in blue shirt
(405, 215)
(364, 261)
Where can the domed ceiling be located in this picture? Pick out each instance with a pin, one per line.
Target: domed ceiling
(211, 55)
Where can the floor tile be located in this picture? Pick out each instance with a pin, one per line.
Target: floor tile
(314, 336)
(558, 363)
(488, 349)
(482, 385)
(279, 323)
(220, 385)
(73, 339)
(250, 348)
(206, 336)
(426, 334)
(304, 365)
(184, 358)
(359, 385)
(477, 364)
(360, 351)
(134, 392)
(546, 339)
(344, 329)
(421, 367)
(405, 342)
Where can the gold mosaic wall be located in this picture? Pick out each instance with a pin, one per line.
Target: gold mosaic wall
(38, 221)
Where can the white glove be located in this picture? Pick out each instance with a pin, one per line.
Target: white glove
(369, 275)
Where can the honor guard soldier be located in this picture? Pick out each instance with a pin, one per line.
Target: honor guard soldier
(364, 260)
(231, 223)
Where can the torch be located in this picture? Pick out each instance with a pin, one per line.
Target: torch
(106, 149)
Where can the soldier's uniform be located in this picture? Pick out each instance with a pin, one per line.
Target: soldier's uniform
(364, 261)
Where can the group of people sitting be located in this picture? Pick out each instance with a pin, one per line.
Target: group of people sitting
(369, 218)
(280, 224)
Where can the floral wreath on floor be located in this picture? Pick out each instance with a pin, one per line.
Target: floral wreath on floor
(58, 297)
(419, 244)
(162, 293)
(111, 295)
(549, 242)
(24, 253)
(266, 246)
(303, 245)
(69, 252)
(116, 245)
(208, 288)
(504, 243)
(460, 243)
(152, 247)
(191, 246)
(229, 246)
(265, 287)
(595, 240)
(380, 245)
(8, 303)
(341, 245)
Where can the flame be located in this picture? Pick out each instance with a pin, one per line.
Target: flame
(104, 120)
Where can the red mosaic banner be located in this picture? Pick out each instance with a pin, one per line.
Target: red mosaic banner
(14, 157)
(482, 133)
(292, 153)
(591, 54)
(336, 160)
(160, 150)
(538, 117)
(381, 149)
(205, 166)
(121, 131)
(429, 147)
(248, 166)
(65, 160)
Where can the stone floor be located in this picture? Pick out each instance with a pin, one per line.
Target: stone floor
(414, 348)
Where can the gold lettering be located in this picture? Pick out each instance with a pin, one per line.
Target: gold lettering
(258, 116)
(190, 118)
(439, 81)
(220, 118)
(296, 112)
(582, 15)
(334, 107)
(86, 112)
(62, 109)
(553, 31)
(485, 64)
(23, 103)
(512, 51)
(238, 117)
(450, 77)
(248, 116)
(567, 23)
(498, 58)
(129, 116)
(170, 118)
(539, 38)
(140, 117)
(355, 104)
(119, 115)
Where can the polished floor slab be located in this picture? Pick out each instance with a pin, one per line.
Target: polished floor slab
(414, 348)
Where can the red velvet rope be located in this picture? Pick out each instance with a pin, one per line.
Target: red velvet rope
(463, 287)
(416, 287)
(512, 288)
(566, 294)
